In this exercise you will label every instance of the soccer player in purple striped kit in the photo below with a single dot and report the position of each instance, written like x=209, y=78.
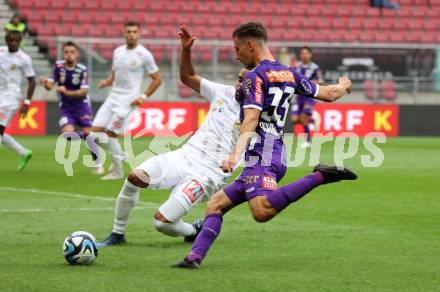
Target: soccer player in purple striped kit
x=303, y=107
x=264, y=98
x=75, y=108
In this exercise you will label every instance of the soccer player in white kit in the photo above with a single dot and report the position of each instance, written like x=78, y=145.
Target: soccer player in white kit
x=15, y=65
x=193, y=171
x=130, y=62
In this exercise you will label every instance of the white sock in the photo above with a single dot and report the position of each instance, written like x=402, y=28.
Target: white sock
x=127, y=199
x=10, y=142
x=173, y=211
x=178, y=228
x=116, y=152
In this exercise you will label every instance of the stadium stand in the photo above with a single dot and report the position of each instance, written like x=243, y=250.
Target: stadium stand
x=417, y=21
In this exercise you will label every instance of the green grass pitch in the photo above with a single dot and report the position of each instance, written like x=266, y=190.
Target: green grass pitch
x=380, y=233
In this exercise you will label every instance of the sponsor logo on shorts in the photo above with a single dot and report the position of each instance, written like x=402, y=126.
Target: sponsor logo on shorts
x=193, y=190
x=269, y=183
x=250, y=179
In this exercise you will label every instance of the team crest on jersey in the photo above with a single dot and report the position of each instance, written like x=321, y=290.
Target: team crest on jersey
x=269, y=183
x=193, y=190
x=218, y=105
x=75, y=79
x=13, y=67
x=133, y=63
x=280, y=76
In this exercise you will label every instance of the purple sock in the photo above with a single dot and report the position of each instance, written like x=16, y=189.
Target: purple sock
x=290, y=193
x=210, y=231
x=307, y=132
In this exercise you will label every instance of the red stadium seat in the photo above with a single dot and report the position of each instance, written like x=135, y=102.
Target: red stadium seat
x=370, y=91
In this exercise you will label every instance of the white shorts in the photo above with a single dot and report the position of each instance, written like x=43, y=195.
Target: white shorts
x=7, y=112
x=112, y=117
x=167, y=171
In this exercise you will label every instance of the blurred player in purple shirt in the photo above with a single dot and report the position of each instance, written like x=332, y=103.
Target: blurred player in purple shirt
x=303, y=106
x=264, y=99
x=75, y=108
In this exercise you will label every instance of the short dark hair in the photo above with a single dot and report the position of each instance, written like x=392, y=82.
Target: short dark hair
x=70, y=44
x=250, y=30
x=131, y=23
x=13, y=34
x=309, y=49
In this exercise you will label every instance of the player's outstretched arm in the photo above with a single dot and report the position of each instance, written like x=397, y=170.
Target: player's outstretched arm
x=82, y=92
x=188, y=75
x=331, y=93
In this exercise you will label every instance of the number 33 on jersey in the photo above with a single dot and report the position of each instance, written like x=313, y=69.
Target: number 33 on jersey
x=269, y=87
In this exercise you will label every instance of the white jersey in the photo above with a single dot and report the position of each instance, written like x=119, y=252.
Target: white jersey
x=216, y=138
x=14, y=67
x=130, y=66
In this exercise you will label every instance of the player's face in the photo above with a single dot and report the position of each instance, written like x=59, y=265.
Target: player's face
x=70, y=54
x=244, y=52
x=305, y=56
x=131, y=35
x=13, y=43
x=241, y=75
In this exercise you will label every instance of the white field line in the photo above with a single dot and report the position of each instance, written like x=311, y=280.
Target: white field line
x=38, y=210
x=142, y=205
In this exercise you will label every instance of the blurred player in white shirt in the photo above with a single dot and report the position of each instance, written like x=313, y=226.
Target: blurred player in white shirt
x=15, y=66
x=193, y=171
x=130, y=62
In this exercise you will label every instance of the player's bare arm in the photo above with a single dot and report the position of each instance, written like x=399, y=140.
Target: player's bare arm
x=156, y=81
x=73, y=93
x=331, y=93
x=108, y=81
x=47, y=83
x=30, y=92
x=188, y=75
x=247, y=131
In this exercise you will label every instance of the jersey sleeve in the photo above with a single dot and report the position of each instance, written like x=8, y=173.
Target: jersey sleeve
x=211, y=90
x=304, y=86
x=84, y=79
x=253, y=88
x=54, y=74
x=150, y=64
x=28, y=70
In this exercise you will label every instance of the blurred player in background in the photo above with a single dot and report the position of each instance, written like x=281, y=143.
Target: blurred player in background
x=264, y=98
x=303, y=106
x=130, y=62
x=75, y=108
x=15, y=65
x=192, y=171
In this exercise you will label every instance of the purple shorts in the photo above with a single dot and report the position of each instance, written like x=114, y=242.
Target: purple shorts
x=255, y=181
x=303, y=105
x=80, y=115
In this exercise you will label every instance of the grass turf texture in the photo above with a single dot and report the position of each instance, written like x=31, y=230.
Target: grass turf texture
x=380, y=233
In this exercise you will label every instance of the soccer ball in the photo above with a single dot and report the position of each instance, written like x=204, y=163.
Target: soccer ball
x=80, y=248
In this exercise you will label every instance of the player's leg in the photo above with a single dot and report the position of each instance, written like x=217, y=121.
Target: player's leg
x=156, y=172
x=127, y=199
x=6, y=115
x=114, y=129
x=99, y=124
x=305, y=117
x=185, y=196
x=222, y=201
x=265, y=207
